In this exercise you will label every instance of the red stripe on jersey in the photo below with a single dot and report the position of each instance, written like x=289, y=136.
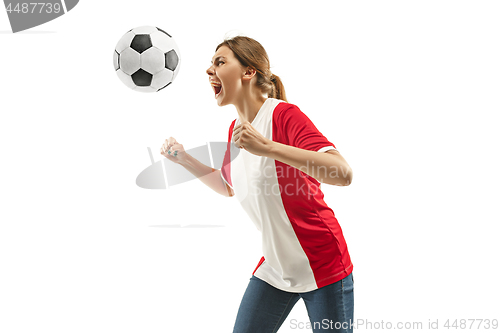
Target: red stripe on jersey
x=258, y=265
x=226, y=164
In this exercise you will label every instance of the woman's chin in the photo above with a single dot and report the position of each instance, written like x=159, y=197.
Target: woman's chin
x=220, y=100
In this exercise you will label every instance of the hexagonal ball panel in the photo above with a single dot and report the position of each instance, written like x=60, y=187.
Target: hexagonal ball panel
x=124, y=42
x=142, y=78
x=152, y=60
x=141, y=43
x=161, y=79
x=171, y=60
x=130, y=61
x=162, y=41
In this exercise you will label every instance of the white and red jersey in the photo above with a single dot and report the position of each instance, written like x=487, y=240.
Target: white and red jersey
x=302, y=242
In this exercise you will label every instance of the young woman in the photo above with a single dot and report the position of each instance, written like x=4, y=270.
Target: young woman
x=281, y=161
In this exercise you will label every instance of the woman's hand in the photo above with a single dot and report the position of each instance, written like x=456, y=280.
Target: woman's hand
x=247, y=137
x=173, y=151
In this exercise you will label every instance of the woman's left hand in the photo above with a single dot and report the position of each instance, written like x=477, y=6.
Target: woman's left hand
x=246, y=136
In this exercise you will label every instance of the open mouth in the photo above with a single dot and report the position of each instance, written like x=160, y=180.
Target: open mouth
x=217, y=88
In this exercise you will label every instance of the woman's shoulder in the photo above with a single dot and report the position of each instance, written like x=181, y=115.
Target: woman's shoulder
x=286, y=110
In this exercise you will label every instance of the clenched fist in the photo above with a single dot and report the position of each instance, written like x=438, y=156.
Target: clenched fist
x=247, y=137
x=173, y=150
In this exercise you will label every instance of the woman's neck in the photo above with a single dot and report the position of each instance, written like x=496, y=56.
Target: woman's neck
x=248, y=108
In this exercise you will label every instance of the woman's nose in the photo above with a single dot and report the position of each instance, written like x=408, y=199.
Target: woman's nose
x=210, y=70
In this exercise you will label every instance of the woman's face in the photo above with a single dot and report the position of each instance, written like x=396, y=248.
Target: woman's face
x=225, y=75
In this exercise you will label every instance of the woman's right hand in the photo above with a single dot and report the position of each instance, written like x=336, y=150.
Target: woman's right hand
x=173, y=151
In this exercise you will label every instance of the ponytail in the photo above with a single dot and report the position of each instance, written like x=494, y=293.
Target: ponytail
x=278, y=90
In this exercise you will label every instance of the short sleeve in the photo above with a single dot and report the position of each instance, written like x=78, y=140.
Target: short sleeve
x=294, y=128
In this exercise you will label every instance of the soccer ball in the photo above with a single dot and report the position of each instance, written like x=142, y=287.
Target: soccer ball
x=147, y=59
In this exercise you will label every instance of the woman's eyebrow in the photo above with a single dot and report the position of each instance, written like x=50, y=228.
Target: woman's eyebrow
x=217, y=59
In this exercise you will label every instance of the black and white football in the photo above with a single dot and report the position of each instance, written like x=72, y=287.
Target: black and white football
x=147, y=59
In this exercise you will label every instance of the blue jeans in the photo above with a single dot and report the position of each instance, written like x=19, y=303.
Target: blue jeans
x=264, y=308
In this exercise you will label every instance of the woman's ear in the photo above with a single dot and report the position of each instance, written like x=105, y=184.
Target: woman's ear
x=249, y=73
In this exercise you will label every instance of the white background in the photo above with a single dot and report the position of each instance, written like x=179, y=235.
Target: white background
x=408, y=91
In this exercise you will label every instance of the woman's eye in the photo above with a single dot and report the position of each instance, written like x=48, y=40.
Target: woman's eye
x=220, y=63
